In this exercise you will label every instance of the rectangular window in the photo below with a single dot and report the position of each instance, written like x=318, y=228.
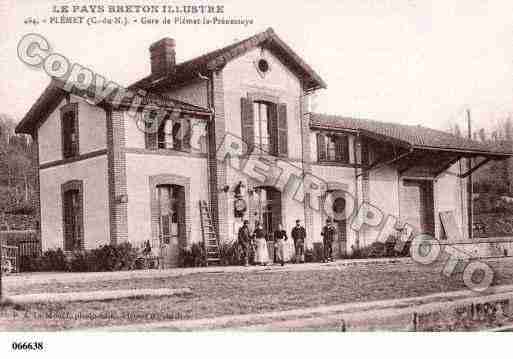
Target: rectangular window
x=69, y=125
x=333, y=148
x=175, y=134
x=261, y=126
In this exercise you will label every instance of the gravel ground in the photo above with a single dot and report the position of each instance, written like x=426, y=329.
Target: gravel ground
x=216, y=294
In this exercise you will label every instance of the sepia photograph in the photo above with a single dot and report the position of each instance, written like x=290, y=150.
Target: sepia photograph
x=254, y=168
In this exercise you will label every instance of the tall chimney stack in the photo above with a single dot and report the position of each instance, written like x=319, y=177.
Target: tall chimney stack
x=162, y=56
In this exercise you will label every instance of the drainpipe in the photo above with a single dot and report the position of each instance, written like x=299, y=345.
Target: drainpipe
x=356, y=175
x=211, y=150
x=303, y=113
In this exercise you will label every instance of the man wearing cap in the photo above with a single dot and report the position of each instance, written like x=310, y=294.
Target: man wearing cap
x=298, y=234
x=328, y=237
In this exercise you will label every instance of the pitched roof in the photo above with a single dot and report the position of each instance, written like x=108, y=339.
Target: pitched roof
x=55, y=92
x=213, y=60
x=414, y=136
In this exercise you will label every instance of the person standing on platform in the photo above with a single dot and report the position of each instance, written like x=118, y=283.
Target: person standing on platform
x=280, y=242
x=298, y=234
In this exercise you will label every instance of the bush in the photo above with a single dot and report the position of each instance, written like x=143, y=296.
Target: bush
x=230, y=253
x=113, y=257
x=79, y=262
x=382, y=250
x=193, y=256
x=103, y=259
x=50, y=261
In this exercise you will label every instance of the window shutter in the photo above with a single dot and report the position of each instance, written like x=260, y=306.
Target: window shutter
x=248, y=131
x=342, y=149
x=273, y=128
x=69, y=130
x=151, y=125
x=321, y=147
x=282, y=130
x=66, y=133
x=186, y=134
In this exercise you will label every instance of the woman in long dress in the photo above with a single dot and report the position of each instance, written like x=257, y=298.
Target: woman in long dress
x=261, y=253
x=289, y=251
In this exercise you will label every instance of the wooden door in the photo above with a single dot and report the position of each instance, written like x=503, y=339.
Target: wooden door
x=340, y=244
x=72, y=220
x=171, y=222
x=417, y=205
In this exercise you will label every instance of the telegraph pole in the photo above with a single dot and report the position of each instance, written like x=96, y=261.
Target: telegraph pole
x=470, y=190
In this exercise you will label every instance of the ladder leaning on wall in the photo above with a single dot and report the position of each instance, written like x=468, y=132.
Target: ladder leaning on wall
x=210, y=240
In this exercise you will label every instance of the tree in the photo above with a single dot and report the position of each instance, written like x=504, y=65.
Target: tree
x=17, y=169
x=508, y=129
x=457, y=130
x=482, y=135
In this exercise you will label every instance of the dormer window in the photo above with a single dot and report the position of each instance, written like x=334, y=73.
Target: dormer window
x=69, y=129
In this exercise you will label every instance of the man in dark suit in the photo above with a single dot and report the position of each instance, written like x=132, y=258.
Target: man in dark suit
x=298, y=235
x=244, y=238
x=280, y=238
x=328, y=237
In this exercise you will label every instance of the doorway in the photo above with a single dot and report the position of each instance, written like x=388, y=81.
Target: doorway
x=171, y=221
x=417, y=205
x=72, y=219
x=269, y=209
x=73, y=215
x=336, y=206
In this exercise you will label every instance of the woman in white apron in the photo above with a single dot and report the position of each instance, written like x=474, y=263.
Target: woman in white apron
x=261, y=252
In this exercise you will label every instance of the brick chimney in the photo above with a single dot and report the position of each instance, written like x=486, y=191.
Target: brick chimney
x=162, y=56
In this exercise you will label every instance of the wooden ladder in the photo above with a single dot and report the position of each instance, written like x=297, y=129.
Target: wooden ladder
x=208, y=232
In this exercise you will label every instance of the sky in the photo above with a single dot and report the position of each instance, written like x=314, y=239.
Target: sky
x=413, y=62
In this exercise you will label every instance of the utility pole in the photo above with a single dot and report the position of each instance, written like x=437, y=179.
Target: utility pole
x=470, y=199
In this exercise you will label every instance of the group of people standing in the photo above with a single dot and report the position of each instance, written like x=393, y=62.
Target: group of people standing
x=285, y=250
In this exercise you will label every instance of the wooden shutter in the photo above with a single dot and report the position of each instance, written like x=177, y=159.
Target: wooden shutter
x=282, y=130
x=275, y=197
x=69, y=223
x=177, y=133
x=342, y=149
x=247, y=126
x=272, y=122
x=72, y=212
x=67, y=128
x=321, y=147
x=186, y=134
x=182, y=223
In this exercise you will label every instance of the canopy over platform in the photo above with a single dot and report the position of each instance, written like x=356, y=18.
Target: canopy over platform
x=417, y=151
